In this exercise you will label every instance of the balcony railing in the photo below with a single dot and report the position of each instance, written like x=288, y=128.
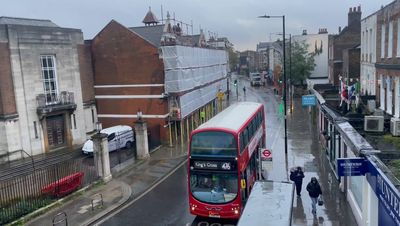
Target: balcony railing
x=47, y=103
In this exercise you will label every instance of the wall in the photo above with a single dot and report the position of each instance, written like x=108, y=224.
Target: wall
x=126, y=61
x=27, y=44
x=319, y=41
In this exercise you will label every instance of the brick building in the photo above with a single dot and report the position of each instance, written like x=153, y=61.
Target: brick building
x=348, y=38
x=159, y=71
x=387, y=58
x=43, y=104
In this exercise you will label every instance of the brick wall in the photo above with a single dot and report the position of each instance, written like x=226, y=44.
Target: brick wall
x=120, y=57
x=86, y=72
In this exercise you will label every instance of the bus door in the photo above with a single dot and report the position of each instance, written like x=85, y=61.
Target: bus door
x=243, y=187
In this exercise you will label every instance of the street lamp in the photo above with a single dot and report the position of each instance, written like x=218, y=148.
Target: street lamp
x=284, y=73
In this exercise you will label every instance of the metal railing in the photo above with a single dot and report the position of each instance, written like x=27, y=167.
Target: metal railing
x=23, y=194
x=65, y=97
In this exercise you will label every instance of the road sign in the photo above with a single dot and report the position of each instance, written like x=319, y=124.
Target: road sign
x=266, y=154
x=351, y=166
x=308, y=100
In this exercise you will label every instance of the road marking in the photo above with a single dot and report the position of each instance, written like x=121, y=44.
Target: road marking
x=84, y=209
x=141, y=195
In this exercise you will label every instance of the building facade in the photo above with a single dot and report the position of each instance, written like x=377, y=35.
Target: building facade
x=388, y=58
x=46, y=90
x=368, y=55
x=318, y=47
x=158, y=72
x=347, y=38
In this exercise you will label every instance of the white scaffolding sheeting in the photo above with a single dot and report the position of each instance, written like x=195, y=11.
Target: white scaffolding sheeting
x=188, y=67
x=200, y=97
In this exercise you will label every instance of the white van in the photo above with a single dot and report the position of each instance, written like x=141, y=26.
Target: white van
x=118, y=137
x=256, y=79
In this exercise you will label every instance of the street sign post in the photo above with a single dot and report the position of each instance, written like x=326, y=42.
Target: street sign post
x=266, y=155
x=351, y=167
x=308, y=100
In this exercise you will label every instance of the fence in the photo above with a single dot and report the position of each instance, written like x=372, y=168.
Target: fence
x=25, y=193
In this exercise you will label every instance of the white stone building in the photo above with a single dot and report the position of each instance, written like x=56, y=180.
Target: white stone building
x=318, y=46
x=368, y=55
x=46, y=90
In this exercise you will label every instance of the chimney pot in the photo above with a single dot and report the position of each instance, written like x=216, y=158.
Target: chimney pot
x=340, y=29
x=359, y=8
x=354, y=9
x=350, y=10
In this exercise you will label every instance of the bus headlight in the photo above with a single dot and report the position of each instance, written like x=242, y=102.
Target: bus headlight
x=193, y=207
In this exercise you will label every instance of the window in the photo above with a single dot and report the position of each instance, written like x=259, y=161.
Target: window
x=398, y=38
x=213, y=143
x=390, y=40
x=49, y=78
x=371, y=46
x=111, y=137
x=35, y=128
x=214, y=187
x=73, y=116
x=383, y=41
x=366, y=47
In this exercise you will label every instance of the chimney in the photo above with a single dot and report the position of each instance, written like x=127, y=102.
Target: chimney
x=323, y=31
x=340, y=29
x=354, y=15
x=304, y=32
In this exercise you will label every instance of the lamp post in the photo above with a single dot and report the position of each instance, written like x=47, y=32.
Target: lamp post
x=284, y=73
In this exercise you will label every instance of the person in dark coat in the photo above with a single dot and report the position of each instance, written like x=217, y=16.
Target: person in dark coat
x=297, y=177
x=314, y=190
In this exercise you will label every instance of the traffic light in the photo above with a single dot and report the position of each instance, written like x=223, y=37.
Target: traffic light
x=235, y=82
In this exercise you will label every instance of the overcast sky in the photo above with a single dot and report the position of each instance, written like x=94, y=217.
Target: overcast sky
x=235, y=19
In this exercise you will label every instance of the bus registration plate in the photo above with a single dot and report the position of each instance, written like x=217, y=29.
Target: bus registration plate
x=213, y=214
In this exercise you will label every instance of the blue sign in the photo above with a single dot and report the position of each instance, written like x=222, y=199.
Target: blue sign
x=351, y=166
x=308, y=100
x=388, y=196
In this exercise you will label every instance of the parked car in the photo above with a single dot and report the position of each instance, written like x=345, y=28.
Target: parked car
x=118, y=137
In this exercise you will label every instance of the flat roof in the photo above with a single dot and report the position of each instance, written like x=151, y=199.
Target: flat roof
x=233, y=117
x=270, y=203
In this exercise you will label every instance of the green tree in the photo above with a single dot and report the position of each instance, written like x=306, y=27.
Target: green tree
x=233, y=58
x=302, y=63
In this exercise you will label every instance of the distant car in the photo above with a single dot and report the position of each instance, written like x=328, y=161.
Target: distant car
x=118, y=137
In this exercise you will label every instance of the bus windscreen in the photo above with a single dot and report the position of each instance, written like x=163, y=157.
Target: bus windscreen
x=213, y=143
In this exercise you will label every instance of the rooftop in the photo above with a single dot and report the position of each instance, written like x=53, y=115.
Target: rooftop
x=27, y=22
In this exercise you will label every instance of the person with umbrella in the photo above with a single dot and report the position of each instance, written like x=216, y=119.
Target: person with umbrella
x=297, y=177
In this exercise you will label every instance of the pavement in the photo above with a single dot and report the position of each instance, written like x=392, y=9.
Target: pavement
x=126, y=185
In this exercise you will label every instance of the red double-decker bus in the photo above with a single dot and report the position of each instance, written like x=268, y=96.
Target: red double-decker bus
x=223, y=164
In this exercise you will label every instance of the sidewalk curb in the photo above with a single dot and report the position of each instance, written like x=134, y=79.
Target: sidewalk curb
x=126, y=191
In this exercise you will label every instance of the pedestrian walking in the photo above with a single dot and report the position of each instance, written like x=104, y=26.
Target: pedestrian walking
x=244, y=90
x=314, y=190
x=297, y=177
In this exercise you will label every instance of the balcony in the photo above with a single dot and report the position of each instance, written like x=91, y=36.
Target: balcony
x=50, y=104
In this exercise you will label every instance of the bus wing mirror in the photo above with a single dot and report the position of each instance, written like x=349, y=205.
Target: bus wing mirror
x=243, y=183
